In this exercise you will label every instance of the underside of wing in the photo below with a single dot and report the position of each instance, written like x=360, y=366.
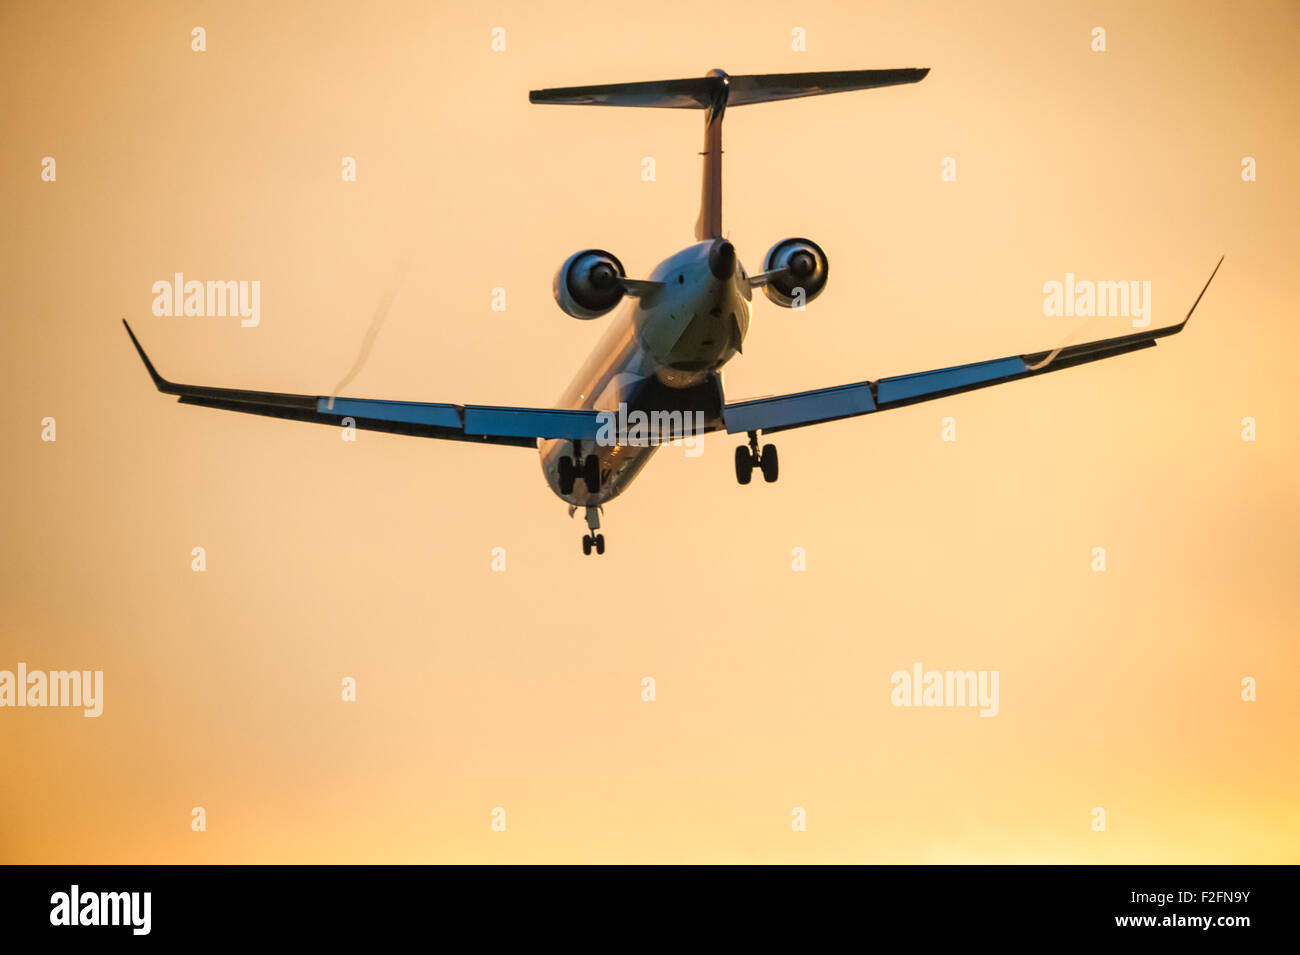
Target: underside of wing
x=781, y=412
x=484, y=424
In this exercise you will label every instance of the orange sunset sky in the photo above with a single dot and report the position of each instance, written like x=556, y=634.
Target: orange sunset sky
x=522, y=689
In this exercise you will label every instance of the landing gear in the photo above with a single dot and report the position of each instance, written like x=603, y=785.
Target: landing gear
x=569, y=473
x=748, y=458
x=591, y=473
x=593, y=540
x=744, y=464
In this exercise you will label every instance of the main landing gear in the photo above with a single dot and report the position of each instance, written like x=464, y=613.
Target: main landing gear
x=593, y=540
x=748, y=458
x=569, y=473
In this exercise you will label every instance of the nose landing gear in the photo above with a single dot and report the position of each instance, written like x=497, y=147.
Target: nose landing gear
x=593, y=540
x=748, y=458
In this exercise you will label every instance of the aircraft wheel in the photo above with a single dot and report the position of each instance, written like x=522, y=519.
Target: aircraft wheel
x=744, y=465
x=769, y=462
x=600, y=543
x=586, y=545
x=591, y=473
x=567, y=475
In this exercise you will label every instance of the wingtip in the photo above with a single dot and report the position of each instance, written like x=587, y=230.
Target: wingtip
x=1204, y=288
x=161, y=383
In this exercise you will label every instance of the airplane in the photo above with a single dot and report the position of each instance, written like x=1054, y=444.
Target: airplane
x=663, y=353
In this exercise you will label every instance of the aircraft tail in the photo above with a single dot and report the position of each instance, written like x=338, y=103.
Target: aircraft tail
x=715, y=92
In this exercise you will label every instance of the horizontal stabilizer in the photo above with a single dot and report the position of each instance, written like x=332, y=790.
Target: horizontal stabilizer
x=767, y=87
x=702, y=92
x=695, y=93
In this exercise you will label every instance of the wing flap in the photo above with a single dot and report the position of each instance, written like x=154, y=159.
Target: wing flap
x=414, y=412
x=904, y=387
x=531, y=422
x=793, y=411
x=362, y=423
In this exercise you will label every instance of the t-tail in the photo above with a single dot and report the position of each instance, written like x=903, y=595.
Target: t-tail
x=714, y=92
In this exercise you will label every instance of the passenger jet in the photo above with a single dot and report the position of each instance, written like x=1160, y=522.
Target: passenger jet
x=663, y=353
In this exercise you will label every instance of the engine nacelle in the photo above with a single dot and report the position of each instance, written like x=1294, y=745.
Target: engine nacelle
x=589, y=283
x=806, y=268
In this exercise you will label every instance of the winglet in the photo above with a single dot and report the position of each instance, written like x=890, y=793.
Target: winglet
x=1199, y=297
x=1136, y=340
x=161, y=383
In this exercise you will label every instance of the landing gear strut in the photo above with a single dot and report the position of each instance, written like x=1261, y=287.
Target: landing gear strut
x=748, y=458
x=569, y=472
x=593, y=540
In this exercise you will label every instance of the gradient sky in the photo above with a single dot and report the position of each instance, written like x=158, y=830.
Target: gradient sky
x=522, y=689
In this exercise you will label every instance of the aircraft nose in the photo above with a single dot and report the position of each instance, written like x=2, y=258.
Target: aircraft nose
x=722, y=259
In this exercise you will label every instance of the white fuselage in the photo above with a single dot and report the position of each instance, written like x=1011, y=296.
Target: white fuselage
x=661, y=353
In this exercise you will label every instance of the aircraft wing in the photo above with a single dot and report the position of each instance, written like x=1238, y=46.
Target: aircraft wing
x=781, y=412
x=485, y=424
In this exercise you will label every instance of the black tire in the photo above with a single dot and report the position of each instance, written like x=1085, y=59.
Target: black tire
x=591, y=473
x=600, y=543
x=770, y=464
x=566, y=475
x=586, y=545
x=744, y=465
